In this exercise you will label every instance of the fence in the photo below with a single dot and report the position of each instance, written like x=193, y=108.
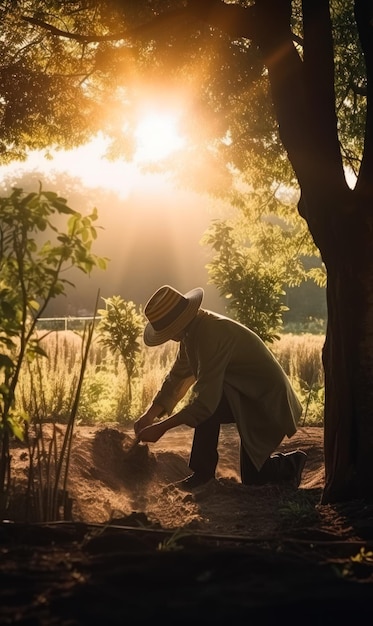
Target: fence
x=64, y=323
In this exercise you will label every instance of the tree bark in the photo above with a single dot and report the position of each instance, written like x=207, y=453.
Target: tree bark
x=348, y=363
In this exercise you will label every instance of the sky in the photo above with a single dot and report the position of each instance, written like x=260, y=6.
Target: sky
x=151, y=229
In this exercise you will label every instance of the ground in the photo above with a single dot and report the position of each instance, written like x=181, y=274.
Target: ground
x=137, y=548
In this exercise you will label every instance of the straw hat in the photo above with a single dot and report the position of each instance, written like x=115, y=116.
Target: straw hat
x=169, y=312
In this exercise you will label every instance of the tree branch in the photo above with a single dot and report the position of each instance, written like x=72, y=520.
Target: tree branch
x=75, y=36
x=154, y=26
x=232, y=19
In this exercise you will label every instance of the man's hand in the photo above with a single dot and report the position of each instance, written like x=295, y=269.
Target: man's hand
x=151, y=434
x=147, y=418
x=143, y=421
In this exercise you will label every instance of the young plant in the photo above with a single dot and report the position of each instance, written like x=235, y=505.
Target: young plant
x=34, y=250
x=119, y=329
x=299, y=509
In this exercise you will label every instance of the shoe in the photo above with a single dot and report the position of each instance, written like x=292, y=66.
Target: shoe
x=192, y=482
x=298, y=460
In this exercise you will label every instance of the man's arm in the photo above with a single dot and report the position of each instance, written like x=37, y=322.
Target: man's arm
x=151, y=433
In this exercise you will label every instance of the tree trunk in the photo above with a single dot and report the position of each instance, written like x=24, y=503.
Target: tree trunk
x=342, y=228
x=348, y=362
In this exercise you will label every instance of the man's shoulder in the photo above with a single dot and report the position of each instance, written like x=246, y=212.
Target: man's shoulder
x=210, y=323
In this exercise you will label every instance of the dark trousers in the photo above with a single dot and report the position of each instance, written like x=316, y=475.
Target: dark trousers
x=204, y=454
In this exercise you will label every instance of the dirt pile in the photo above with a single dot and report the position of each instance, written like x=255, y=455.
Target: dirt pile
x=110, y=479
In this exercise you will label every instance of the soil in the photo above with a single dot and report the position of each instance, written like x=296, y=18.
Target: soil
x=132, y=547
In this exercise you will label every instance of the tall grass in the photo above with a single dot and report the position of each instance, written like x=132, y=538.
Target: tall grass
x=300, y=357
x=46, y=384
x=46, y=496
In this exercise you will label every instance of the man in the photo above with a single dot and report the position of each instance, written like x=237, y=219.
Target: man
x=236, y=378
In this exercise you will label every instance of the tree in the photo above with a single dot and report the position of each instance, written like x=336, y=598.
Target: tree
x=316, y=58
x=120, y=328
x=31, y=275
x=260, y=253
x=252, y=286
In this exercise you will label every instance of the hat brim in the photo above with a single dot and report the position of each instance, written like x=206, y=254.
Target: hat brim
x=156, y=338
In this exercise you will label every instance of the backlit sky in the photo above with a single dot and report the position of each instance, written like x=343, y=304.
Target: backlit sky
x=152, y=231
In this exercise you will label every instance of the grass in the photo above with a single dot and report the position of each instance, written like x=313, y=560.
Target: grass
x=299, y=509
x=46, y=385
x=300, y=357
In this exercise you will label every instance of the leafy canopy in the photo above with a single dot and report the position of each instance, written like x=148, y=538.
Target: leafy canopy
x=71, y=69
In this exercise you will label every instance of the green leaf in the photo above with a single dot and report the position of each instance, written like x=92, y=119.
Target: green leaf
x=33, y=304
x=16, y=424
x=6, y=362
x=35, y=348
x=102, y=262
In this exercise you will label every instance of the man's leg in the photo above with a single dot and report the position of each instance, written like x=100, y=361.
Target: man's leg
x=204, y=453
x=278, y=468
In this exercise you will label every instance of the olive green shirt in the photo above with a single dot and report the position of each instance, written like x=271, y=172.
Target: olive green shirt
x=218, y=355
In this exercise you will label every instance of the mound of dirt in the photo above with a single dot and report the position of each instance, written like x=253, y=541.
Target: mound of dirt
x=110, y=478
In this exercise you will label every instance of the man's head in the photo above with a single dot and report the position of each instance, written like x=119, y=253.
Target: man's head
x=169, y=313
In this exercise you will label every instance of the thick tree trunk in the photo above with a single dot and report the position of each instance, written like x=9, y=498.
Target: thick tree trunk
x=348, y=362
x=342, y=228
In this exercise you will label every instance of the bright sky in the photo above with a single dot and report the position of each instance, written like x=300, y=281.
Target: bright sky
x=154, y=217
x=157, y=137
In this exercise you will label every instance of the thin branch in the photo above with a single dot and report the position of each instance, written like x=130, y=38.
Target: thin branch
x=162, y=20
x=233, y=19
x=74, y=36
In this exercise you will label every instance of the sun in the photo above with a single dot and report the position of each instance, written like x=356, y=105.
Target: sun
x=157, y=136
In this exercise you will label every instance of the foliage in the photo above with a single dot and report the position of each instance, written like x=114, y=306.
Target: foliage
x=120, y=328
x=45, y=98
x=231, y=133
x=96, y=78
x=313, y=325
x=47, y=496
x=253, y=286
x=300, y=357
x=261, y=253
x=96, y=61
x=301, y=507
x=171, y=543
x=30, y=268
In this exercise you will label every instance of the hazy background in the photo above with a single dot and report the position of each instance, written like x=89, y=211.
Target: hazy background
x=151, y=229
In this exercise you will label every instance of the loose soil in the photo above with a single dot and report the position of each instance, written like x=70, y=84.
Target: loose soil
x=136, y=548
